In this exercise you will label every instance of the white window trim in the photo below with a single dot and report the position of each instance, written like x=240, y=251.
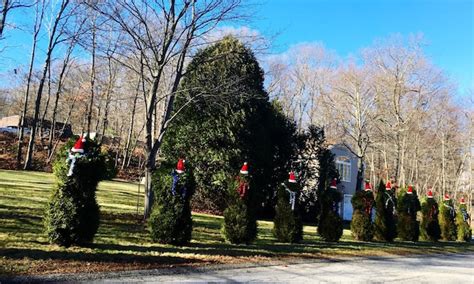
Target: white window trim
x=344, y=161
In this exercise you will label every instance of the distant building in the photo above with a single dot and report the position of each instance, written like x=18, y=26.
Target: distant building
x=346, y=164
x=14, y=121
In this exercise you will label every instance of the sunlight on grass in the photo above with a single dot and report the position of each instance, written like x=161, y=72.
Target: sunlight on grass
x=123, y=242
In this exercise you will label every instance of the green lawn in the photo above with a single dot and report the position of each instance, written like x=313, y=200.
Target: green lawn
x=122, y=241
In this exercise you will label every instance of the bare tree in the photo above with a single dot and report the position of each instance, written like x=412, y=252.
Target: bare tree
x=7, y=6
x=163, y=35
x=353, y=101
x=56, y=36
x=39, y=14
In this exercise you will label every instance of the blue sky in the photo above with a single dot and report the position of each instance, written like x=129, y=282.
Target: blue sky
x=346, y=26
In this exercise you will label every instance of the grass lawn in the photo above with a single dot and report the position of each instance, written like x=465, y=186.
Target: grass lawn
x=123, y=242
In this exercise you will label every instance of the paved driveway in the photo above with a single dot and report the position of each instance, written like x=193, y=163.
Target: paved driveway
x=453, y=268
x=420, y=269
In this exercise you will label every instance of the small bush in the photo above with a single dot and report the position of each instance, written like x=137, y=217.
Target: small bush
x=362, y=227
x=170, y=220
x=240, y=224
x=462, y=223
x=330, y=226
x=385, y=222
x=288, y=226
x=429, y=228
x=447, y=216
x=408, y=228
x=72, y=214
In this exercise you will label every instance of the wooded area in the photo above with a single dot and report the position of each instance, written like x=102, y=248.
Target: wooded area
x=115, y=68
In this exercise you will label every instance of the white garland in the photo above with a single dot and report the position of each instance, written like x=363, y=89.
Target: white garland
x=72, y=157
x=292, y=196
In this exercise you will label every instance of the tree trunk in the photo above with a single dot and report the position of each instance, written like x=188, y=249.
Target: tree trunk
x=46, y=105
x=3, y=18
x=29, y=154
x=91, y=101
x=51, y=45
x=22, y=120
x=130, y=130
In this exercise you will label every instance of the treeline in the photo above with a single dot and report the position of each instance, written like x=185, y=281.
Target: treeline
x=122, y=69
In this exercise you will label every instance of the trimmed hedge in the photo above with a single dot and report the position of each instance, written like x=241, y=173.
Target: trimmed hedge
x=170, y=221
x=240, y=223
x=385, y=222
x=429, y=228
x=362, y=227
x=408, y=228
x=447, y=216
x=72, y=214
x=462, y=223
x=288, y=226
x=330, y=226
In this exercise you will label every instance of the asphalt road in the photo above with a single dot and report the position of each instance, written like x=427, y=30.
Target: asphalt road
x=419, y=269
x=452, y=268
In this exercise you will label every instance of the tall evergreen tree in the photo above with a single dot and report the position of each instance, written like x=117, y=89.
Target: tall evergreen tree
x=429, y=228
x=408, y=228
x=288, y=226
x=447, y=219
x=225, y=114
x=72, y=213
x=463, y=222
x=315, y=162
x=240, y=223
x=385, y=203
x=170, y=220
x=362, y=227
x=330, y=226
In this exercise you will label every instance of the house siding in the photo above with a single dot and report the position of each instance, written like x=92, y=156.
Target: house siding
x=347, y=188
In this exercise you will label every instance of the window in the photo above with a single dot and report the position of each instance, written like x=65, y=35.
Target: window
x=343, y=166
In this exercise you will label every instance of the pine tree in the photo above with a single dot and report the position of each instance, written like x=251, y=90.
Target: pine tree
x=362, y=227
x=462, y=223
x=240, y=223
x=408, y=228
x=429, y=229
x=288, y=225
x=447, y=216
x=385, y=204
x=330, y=226
x=170, y=221
x=72, y=214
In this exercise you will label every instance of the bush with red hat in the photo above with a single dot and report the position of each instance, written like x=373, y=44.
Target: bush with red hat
x=447, y=219
x=429, y=227
x=288, y=226
x=330, y=225
x=408, y=205
x=170, y=221
x=385, y=220
x=362, y=227
x=72, y=214
x=240, y=222
x=463, y=222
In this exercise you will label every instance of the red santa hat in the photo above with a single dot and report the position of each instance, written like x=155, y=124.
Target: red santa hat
x=446, y=197
x=410, y=189
x=180, y=166
x=244, y=170
x=334, y=184
x=462, y=201
x=430, y=193
x=79, y=145
x=368, y=186
x=388, y=186
x=292, y=177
